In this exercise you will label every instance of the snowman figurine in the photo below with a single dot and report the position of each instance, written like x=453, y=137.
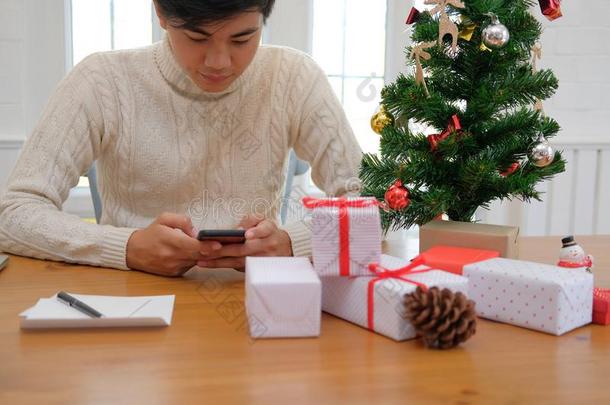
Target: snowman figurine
x=573, y=256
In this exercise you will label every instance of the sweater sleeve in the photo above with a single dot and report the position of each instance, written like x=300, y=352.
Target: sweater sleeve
x=63, y=146
x=324, y=138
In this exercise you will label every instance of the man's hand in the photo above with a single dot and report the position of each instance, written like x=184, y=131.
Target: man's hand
x=167, y=247
x=263, y=238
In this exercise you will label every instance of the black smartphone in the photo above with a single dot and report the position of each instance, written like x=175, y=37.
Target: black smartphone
x=224, y=236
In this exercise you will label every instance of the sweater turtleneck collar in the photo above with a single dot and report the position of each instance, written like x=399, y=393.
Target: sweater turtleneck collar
x=181, y=81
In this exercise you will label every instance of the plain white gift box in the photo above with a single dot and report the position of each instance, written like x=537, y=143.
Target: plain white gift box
x=283, y=297
x=532, y=295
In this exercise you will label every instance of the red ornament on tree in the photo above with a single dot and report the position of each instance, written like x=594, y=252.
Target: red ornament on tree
x=397, y=196
x=551, y=9
x=511, y=169
x=413, y=16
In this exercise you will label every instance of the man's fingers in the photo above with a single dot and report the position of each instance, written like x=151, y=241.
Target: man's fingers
x=261, y=231
x=180, y=272
x=185, y=243
x=249, y=248
x=176, y=221
x=191, y=247
x=207, y=248
x=223, y=263
x=250, y=220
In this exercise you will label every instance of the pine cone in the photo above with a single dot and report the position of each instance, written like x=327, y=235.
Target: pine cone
x=443, y=318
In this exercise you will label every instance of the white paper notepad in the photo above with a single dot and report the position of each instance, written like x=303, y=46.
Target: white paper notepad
x=117, y=311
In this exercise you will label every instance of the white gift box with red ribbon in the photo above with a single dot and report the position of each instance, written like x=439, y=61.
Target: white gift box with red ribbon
x=283, y=297
x=532, y=295
x=376, y=302
x=346, y=235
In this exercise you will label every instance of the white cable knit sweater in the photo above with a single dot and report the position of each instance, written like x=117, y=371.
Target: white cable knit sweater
x=162, y=144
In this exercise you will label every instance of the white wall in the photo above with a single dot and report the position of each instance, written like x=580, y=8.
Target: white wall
x=12, y=56
x=32, y=49
x=577, y=49
x=44, y=62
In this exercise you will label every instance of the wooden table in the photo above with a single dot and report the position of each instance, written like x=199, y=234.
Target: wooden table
x=207, y=356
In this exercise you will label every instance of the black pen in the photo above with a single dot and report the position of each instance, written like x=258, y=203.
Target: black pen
x=78, y=305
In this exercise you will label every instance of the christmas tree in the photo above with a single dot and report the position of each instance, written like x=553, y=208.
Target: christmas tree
x=476, y=88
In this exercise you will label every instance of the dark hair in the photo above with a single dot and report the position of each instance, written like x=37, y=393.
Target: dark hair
x=191, y=14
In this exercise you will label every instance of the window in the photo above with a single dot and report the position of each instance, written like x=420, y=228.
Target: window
x=354, y=59
x=104, y=25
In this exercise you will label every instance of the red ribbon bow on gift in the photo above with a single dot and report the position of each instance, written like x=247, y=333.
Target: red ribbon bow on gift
x=453, y=126
x=343, y=204
x=382, y=273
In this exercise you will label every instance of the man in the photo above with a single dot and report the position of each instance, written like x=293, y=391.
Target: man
x=199, y=123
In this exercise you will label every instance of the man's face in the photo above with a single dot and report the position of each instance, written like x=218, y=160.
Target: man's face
x=215, y=55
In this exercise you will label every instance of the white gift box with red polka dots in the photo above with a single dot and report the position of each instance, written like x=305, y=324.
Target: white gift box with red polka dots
x=532, y=295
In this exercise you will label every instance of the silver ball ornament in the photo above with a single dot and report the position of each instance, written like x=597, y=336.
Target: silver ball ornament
x=542, y=154
x=495, y=35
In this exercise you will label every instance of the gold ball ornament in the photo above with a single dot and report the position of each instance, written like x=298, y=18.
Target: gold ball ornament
x=381, y=119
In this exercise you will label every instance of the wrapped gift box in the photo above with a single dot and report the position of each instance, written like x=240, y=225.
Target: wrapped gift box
x=453, y=259
x=377, y=303
x=283, y=297
x=503, y=239
x=601, y=306
x=532, y=295
x=346, y=235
